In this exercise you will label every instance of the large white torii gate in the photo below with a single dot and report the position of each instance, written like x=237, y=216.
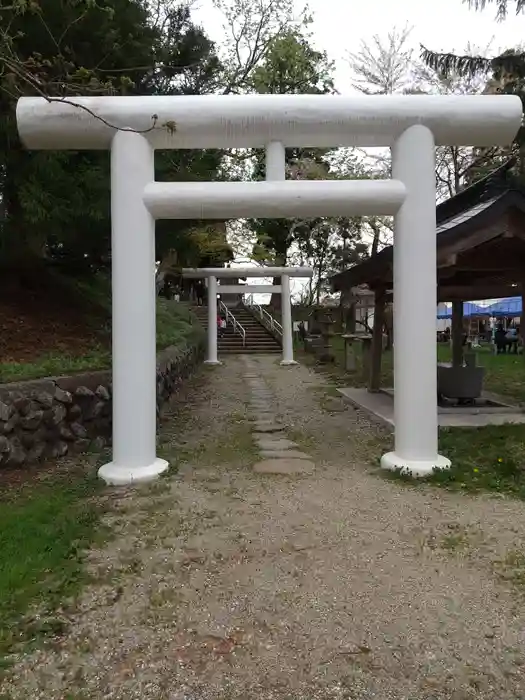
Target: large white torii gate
x=211, y=274
x=133, y=127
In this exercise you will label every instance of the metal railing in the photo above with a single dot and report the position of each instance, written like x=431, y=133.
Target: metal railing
x=266, y=318
x=237, y=328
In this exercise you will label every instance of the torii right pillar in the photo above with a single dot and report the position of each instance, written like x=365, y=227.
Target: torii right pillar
x=415, y=301
x=276, y=170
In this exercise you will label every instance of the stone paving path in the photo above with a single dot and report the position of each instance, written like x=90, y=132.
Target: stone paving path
x=221, y=583
x=281, y=456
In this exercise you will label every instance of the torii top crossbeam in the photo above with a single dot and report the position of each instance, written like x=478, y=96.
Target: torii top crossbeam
x=248, y=121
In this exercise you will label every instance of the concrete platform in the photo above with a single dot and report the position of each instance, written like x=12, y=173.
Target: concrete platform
x=381, y=406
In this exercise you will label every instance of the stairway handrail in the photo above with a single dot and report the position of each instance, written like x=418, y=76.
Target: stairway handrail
x=266, y=318
x=237, y=328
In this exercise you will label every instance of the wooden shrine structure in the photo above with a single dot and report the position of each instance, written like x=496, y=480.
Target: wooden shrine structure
x=480, y=255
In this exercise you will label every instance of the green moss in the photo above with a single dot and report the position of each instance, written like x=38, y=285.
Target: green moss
x=46, y=525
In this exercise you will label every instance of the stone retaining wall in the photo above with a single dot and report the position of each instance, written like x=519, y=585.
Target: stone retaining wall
x=49, y=418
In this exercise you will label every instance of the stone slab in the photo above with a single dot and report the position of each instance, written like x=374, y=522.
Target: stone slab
x=267, y=427
x=284, y=466
x=284, y=454
x=265, y=442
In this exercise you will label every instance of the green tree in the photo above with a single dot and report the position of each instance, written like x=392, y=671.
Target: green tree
x=383, y=66
x=56, y=204
x=250, y=28
x=504, y=74
x=45, y=49
x=291, y=66
x=508, y=68
x=329, y=245
x=388, y=65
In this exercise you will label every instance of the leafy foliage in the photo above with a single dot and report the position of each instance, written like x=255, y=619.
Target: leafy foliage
x=508, y=64
x=251, y=27
x=507, y=69
x=329, y=245
x=291, y=65
x=502, y=6
x=382, y=66
x=390, y=66
x=56, y=205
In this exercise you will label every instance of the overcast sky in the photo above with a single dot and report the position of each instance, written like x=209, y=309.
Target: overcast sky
x=441, y=25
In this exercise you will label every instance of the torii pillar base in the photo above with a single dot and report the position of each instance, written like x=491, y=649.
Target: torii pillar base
x=117, y=475
x=413, y=467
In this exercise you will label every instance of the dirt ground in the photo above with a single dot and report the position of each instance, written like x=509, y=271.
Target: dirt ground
x=36, y=321
x=223, y=584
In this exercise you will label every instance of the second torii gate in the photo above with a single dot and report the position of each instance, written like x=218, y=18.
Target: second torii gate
x=212, y=273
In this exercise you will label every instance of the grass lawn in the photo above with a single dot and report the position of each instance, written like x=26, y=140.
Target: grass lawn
x=175, y=326
x=490, y=458
x=55, y=364
x=504, y=374
x=47, y=521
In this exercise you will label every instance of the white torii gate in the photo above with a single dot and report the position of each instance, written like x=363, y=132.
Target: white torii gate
x=133, y=127
x=211, y=274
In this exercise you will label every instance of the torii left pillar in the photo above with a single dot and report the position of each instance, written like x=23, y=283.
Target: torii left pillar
x=134, y=304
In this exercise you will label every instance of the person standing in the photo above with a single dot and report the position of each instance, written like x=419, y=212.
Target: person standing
x=199, y=292
x=500, y=339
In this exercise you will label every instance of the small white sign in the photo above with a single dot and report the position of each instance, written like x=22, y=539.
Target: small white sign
x=296, y=325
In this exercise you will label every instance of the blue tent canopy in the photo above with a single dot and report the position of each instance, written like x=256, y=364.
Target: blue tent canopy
x=469, y=309
x=506, y=307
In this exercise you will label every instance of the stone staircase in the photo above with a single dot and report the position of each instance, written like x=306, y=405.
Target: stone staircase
x=258, y=339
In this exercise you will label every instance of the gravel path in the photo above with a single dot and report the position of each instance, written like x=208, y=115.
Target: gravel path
x=223, y=584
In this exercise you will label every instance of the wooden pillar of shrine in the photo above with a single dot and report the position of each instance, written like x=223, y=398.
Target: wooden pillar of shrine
x=374, y=383
x=457, y=333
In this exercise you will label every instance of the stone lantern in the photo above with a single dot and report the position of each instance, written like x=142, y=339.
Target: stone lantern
x=326, y=323
x=315, y=316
